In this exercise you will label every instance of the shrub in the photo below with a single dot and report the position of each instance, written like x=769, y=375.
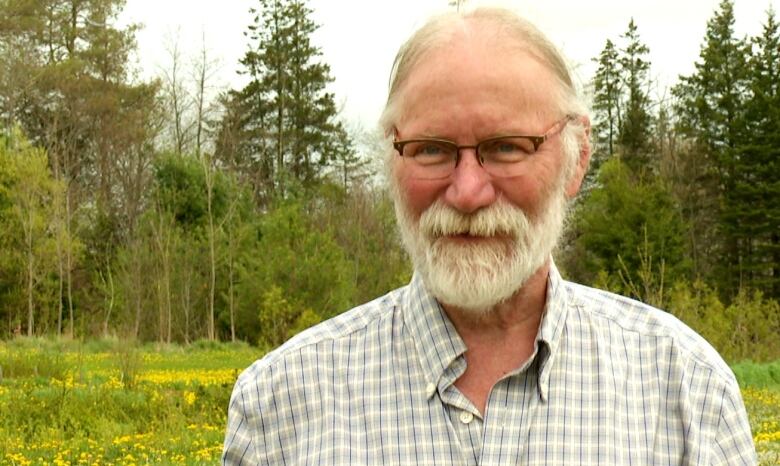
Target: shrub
x=746, y=329
x=34, y=363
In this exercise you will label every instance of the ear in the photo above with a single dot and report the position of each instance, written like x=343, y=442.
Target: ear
x=578, y=174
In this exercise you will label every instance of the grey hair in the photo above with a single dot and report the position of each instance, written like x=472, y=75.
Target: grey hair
x=504, y=23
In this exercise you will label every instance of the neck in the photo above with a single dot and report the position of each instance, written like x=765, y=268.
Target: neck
x=520, y=313
x=501, y=340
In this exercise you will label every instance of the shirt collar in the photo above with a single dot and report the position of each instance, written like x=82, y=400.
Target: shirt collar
x=553, y=321
x=435, y=338
x=439, y=345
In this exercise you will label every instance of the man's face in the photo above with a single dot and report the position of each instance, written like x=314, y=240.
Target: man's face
x=477, y=238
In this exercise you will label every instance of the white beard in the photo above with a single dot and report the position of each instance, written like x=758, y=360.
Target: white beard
x=476, y=277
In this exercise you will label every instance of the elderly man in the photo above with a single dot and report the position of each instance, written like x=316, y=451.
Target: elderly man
x=488, y=356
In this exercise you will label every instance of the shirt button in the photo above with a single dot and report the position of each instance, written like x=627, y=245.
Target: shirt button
x=466, y=417
x=430, y=389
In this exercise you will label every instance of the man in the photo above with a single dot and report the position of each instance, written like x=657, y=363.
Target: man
x=488, y=356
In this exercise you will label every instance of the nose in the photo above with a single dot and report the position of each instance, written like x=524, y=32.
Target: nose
x=471, y=188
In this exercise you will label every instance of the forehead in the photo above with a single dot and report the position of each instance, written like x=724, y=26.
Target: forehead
x=478, y=81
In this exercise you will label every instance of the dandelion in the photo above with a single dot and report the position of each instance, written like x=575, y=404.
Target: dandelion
x=189, y=398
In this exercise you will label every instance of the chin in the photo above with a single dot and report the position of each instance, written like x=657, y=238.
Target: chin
x=478, y=276
x=475, y=262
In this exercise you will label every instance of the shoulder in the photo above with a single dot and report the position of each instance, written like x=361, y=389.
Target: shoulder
x=658, y=330
x=336, y=334
x=684, y=381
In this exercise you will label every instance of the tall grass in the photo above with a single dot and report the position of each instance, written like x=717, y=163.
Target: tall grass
x=758, y=375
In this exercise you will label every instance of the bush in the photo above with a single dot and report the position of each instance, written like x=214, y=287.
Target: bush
x=34, y=363
x=130, y=363
x=747, y=329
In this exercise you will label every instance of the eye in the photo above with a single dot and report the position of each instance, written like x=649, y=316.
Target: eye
x=506, y=146
x=506, y=150
x=430, y=149
x=431, y=152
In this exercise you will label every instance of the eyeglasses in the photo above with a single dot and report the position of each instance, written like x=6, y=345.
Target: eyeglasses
x=434, y=158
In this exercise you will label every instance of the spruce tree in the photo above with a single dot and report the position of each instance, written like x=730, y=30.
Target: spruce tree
x=606, y=100
x=621, y=102
x=711, y=108
x=758, y=187
x=636, y=122
x=292, y=125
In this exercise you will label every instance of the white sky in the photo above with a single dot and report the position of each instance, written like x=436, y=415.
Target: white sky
x=359, y=38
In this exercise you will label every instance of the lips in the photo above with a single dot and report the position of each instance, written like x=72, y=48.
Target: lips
x=467, y=237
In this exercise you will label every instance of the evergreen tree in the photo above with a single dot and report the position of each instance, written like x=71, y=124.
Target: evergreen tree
x=621, y=103
x=629, y=231
x=711, y=108
x=292, y=131
x=754, y=200
x=606, y=101
x=636, y=122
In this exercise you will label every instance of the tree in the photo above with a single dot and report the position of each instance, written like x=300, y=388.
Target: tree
x=606, y=100
x=711, y=107
x=630, y=231
x=28, y=197
x=636, y=122
x=291, y=254
x=621, y=102
x=66, y=81
x=178, y=101
x=292, y=128
x=755, y=209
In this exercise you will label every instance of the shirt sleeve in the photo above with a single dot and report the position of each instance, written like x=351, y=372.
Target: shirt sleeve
x=239, y=448
x=733, y=438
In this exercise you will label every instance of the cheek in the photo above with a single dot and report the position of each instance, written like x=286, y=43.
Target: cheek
x=525, y=191
x=417, y=194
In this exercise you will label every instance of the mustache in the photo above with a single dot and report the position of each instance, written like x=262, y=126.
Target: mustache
x=499, y=219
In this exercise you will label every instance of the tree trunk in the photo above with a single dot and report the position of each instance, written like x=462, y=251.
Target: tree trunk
x=30, y=277
x=68, y=250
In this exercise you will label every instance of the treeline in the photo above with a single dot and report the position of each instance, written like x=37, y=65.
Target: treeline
x=681, y=206
x=151, y=210
x=164, y=211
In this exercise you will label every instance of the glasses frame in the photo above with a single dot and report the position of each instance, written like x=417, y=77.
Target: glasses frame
x=537, y=141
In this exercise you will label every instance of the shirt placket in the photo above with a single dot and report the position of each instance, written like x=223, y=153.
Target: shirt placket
x=463, y=417
x=510, y=410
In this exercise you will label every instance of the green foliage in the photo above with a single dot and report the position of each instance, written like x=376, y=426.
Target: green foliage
x=299, y=266
x=280, y=320
x=745, y=329
x=621, y=102
x=628, y=228
x=306, y=319
x=712, y=108
x=31, y=363
x=753, y=374
x=290, y=131
x=180, y=188
x=606, y=102
x=756, y=216
x=636, y=122
x=130, y=365
x=30, y=235
x=362, y=222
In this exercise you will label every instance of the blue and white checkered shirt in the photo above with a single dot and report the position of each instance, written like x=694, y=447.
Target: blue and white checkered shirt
x=611, y=382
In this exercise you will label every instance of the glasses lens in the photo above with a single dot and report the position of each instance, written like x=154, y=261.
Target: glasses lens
x=430, y=159
x=504, y=156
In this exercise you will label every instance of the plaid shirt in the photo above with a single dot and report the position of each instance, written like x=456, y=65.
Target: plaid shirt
x=611, y=382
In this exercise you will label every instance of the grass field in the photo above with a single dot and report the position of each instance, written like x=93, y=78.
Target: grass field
x=105, y=402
